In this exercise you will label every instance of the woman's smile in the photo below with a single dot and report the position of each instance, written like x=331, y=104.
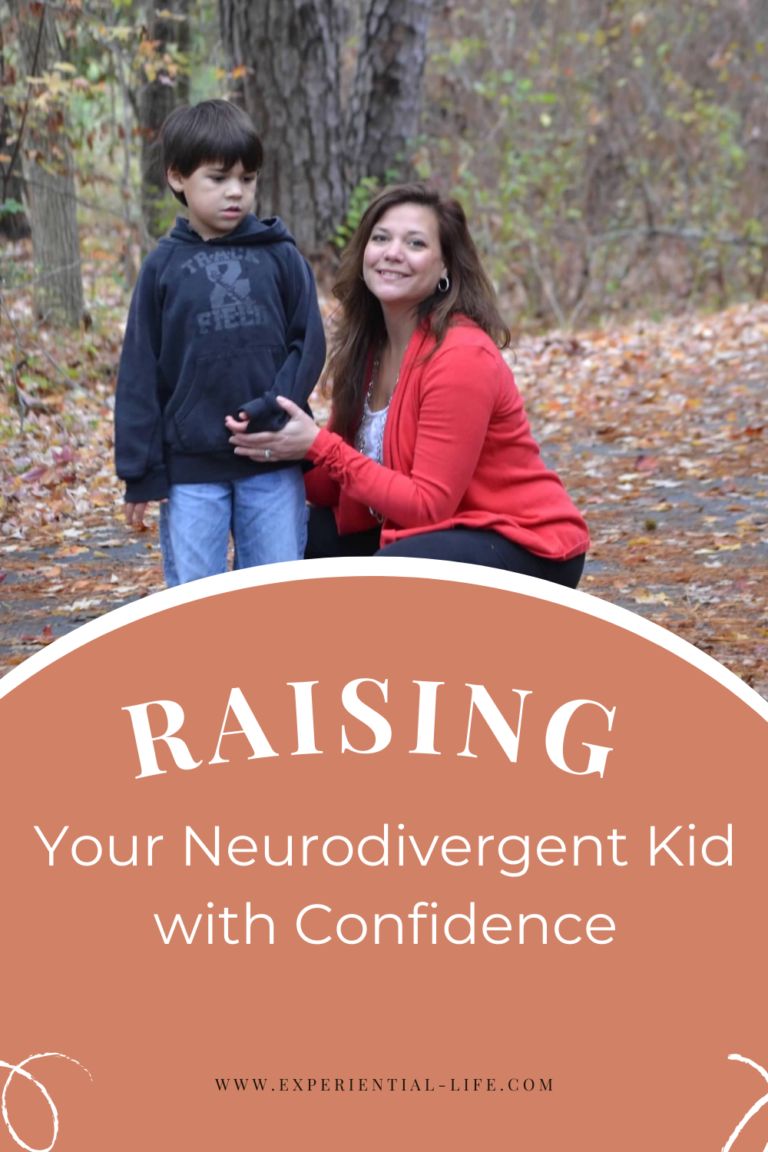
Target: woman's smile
x=403, y=260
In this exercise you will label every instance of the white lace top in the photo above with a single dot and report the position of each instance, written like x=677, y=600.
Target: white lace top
x=370, y=434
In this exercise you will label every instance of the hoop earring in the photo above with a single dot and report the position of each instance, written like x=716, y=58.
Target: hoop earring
x=443, y=284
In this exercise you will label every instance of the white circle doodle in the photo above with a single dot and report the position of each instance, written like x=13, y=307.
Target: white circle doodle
x=20, y=1068
x=755, y=1107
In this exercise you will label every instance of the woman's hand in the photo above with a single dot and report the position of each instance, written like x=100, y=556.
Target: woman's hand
x=291, y=443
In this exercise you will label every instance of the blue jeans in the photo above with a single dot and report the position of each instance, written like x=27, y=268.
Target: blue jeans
x=266, y=514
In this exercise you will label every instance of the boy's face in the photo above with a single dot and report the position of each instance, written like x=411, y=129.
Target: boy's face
x=218, y=198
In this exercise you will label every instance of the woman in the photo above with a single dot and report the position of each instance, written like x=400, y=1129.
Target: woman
x=430, y=452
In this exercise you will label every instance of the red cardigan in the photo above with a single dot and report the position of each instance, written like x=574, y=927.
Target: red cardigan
x=458, y=451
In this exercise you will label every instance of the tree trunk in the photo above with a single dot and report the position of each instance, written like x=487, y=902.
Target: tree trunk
x=158, y=98
x=290, y=49
x=49, y=178
x=385, y=101
x=291, y=87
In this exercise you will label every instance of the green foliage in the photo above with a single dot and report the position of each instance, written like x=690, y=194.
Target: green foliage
x=607, y=156
x=10, y=207
x=91, y=99
x=358, y=202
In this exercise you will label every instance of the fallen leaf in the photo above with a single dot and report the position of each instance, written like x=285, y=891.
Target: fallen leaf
x=45, y=637
x=72, y=550
x=646, y=463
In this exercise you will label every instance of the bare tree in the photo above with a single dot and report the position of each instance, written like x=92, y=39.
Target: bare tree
x=49, y=176
x=290, y=51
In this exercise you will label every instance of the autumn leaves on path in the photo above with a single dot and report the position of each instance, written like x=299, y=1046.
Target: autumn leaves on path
x=658, y=430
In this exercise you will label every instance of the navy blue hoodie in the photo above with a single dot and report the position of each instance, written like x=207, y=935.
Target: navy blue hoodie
x=215, y=327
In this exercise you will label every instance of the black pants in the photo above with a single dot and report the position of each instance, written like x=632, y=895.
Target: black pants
x=465, y=545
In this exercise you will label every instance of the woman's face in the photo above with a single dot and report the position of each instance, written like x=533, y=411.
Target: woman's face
x=403, y=262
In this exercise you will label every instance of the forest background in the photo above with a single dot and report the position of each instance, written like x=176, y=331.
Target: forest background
x=612, y=157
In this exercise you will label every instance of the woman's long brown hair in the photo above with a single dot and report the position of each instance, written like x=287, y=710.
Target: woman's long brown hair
x=361, y=325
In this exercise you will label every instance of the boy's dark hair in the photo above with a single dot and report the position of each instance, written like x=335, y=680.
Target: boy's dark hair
x=211, y=132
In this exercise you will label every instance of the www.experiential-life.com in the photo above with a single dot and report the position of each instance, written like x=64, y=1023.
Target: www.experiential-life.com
x=384, y=1084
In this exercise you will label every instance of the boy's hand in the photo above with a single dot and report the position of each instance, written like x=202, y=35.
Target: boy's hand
x=291, y=443
x=134, y=514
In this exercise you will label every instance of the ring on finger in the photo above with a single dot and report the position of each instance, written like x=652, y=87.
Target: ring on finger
x=267, y=453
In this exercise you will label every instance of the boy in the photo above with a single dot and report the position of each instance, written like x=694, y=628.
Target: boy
x=224, y=319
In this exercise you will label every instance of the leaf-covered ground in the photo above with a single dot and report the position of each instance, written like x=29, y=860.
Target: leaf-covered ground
x=658, y=430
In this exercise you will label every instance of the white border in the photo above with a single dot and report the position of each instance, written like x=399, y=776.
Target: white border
x=385, y=567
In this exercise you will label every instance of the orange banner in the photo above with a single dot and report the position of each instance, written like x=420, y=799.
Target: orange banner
x=369, y=854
